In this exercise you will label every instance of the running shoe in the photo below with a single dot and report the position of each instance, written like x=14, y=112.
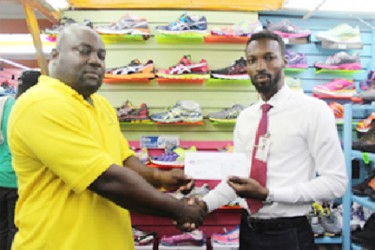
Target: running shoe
x=194, y=238
x=246, y=28
x=294, y=84
x=336, y=88
x=134, y=70
x=369, y=83
x=142, y=238
x=337, y=109
x=286, y=29
x=296, y=60
x=331, y=222
x=342, y=33
x=65, y=21
x=183, y=111
x=185, y=24
x=340, y=61
x=129, y=113
x=226, y=115
x=230, y=237
x=186, y=69
x=172, y=157
x=126, y=25
x=236, y=71
x=316, y=226
x=365, y=124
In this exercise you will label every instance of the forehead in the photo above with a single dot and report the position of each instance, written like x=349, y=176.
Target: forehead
x=263, y=46
x=87, y=37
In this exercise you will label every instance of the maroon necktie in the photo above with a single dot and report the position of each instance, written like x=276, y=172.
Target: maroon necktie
x=259, y=168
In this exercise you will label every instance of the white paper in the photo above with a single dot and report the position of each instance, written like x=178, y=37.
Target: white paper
x=216, y=165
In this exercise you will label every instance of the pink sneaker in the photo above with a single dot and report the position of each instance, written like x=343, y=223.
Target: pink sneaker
x=340, y=61
x=186, y=69
x=336, y=88
x=228, y=238
x=194, y=238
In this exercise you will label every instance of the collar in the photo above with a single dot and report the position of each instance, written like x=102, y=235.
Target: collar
x=60, y=86
x=277, y=99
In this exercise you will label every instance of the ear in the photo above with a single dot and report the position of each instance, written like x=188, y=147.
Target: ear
x=54, y=54
x=285, y=60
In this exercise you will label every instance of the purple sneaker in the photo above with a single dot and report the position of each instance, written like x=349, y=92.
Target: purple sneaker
x=194, y=238
x=369, y=83
x=296, y=60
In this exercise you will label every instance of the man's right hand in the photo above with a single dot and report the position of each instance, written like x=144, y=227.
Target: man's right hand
x=192, y=216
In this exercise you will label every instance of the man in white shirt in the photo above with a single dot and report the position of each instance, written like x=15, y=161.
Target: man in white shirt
x=304, y=159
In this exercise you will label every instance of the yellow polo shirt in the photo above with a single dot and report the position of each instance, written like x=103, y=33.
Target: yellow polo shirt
x=60, y=144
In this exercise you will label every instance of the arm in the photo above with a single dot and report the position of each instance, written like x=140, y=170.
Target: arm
x=170, y=180
x=324, y=146
x=127, y=189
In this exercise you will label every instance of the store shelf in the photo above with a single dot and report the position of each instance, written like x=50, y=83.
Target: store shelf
x=329, y=240
x=337, y=72
x=356, y=247
x=178, y=39
x=365, y=156
x=364, y=201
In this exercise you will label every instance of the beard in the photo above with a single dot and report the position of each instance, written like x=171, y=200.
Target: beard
x=267, y=86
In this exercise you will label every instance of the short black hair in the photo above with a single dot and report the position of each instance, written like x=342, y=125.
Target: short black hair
x=27, y=79
x=266, y=34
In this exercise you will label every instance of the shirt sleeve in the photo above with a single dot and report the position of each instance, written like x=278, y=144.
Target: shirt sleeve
x=324, y=145
x=58, y=137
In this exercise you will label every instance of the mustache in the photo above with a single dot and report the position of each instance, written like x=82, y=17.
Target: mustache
x=262, y=75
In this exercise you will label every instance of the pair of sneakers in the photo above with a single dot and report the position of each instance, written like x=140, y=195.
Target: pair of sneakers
x=184, y=111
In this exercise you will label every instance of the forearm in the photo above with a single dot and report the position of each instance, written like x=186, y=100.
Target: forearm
x=221, y=195
x=151, y=175
x=129, y=190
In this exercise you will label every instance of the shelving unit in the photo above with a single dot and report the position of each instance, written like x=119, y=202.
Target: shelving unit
x=349, y=154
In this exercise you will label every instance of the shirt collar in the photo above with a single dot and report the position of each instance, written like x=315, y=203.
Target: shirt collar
x=55, y=83
x=278, y=98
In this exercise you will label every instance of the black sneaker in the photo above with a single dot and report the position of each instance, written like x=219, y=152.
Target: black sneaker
x=361, y=188
x=236, y=71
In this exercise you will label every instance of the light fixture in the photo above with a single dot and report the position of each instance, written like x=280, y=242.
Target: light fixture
x=58, y=4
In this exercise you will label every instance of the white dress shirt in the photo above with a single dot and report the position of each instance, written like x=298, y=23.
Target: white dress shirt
x=305, y=162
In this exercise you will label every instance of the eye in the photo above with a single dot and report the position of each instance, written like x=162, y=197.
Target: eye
x=269, y=58
x=85, y=51
x=102, y=54
x=250, y=61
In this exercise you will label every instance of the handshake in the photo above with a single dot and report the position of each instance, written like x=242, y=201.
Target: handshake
x=191, y=215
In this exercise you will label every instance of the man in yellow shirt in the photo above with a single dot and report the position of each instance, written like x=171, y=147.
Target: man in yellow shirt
x=77, y=176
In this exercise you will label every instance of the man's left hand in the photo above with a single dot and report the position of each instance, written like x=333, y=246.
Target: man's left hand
x=175, y=179
x=247, y=188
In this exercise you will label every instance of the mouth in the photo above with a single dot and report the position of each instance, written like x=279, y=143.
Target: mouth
x=262, y=78
x=92, y=75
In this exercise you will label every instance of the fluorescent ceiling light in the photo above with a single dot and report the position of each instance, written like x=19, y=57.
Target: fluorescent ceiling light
x=349, y=6
x=58, y=4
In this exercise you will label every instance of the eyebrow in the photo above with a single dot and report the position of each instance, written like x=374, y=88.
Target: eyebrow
x=88, y=45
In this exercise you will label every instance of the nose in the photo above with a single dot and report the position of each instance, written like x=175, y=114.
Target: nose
x=260, y=65
x=94, y=59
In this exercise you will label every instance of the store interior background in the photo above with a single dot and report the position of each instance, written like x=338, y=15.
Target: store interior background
x=317, y=15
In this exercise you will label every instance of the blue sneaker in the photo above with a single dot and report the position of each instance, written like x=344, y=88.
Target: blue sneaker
x=183, y=111
x=185, y=24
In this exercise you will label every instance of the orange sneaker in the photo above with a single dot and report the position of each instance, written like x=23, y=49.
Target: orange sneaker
x=365, y=124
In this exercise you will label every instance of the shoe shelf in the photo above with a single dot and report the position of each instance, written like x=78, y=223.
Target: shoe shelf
x=295, y=70
x=328, y=240
x=301, y=40
x=356, y=247
x=364, y=201
x=337, y=72
x=335, y=45
x=180, y=38
x=215, y=81
x=226, y=39
x=169, y=81
x=127, y=81
x=364, y=156
x=118, y=39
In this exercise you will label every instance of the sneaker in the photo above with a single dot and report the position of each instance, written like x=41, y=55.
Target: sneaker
x=142, y=238
x=365, y=237
x=342, y=33
x=296, y=60
x=183, y=111
x=125, y=109
x=246, y=29
x=340, y=61
x=136, y=115
x=172, y=157
x=226, y=115
x=134, y=70
x=237, y=71
x=369, y=83
x=286, y=29
x=142, y=155
x=227, y=238
x=331, y=222
x=65, y=21
x=126, y=25
x=294, y=84
x=194, y=238
x=185, y=69
x=315, y=223
x=196, y=191
x=185, y=24
x=365, y=124
x=337, y=109
x=336, y=88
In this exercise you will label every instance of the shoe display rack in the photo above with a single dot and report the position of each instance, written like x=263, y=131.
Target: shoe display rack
x=349, y=155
